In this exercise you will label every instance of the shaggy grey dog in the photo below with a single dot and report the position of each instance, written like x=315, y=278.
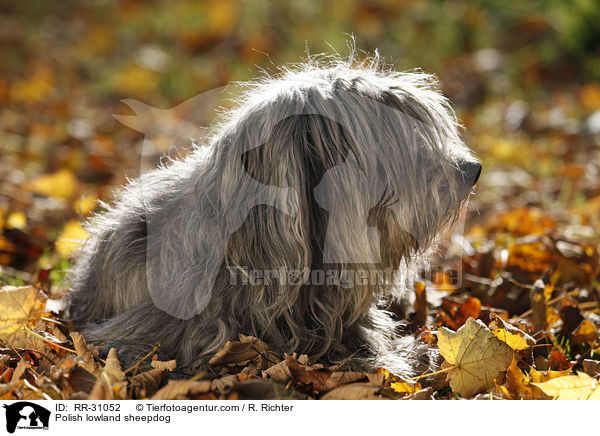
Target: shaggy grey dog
x=296, y=222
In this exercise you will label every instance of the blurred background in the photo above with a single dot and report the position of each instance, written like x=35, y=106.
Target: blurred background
x=523, y=77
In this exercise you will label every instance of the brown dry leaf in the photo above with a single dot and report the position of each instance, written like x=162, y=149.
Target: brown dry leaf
x=358, y=391
x=585, y=333
x=572, y=387
x=182, y=389
x=19, y=306
x=168, y=365
x=83, y=351
x=423, y=394
x=537, y=301
x=477, y=355
x=320, y=379
x=224, y=384
x=100, y=391
x=591, y=367
x=471, y=308
x=571, y=318
x=455, y=314
x=257, y=389
x=317, y=376
x=421, y=306
x=112, y=372
x=558, y=361
x=48, y=387
x=19, y=371
x=247, y=349
x=279, y=373
x=514, y=337
x=146, y=383
x=344, y=378
x=80, y=380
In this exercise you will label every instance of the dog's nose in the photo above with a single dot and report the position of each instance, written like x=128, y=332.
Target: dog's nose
x=470, y=172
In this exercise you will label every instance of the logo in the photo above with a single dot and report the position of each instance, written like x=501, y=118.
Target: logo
x=26, y=415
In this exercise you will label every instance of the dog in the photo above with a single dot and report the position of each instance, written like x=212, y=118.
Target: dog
x=298, y=220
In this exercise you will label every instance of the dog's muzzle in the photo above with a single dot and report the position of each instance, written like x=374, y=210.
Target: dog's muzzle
x=470, y=174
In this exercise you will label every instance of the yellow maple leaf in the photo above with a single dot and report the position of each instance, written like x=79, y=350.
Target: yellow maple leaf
x=477, y=357
x=572, y=387
x=18, y=306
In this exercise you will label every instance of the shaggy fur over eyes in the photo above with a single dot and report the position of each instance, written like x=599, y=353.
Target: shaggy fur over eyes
x=303, y=214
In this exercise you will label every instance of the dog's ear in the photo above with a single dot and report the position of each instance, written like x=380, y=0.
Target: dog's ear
x=275, y=232
x=227, y=220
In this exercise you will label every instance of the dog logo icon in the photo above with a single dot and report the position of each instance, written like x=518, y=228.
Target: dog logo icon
x=26, y=415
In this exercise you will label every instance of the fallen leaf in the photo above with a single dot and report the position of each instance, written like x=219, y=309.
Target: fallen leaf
x=477, y=356
x=16, y=220
x=537, y=300
x=182, y=389
x=358, y=391
x=19, y=306
x=514, y=337
x=279, y=373
x=421, y=306
x=168, y=365
x=518, y=386
x=405, y=387
x=316, y=376
x=19, y=370
x=100, y=391
x=591, y=367
x=71, y=238
x=83, y=351
x=147, y=383
x=112, y=372
x=470, y=308
x=247, y=349
x=572, y=387
x=571, y=318
x=61, y=184
x=423, y=394
x=585, y=333
x=558, y=361
x=540, y=377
